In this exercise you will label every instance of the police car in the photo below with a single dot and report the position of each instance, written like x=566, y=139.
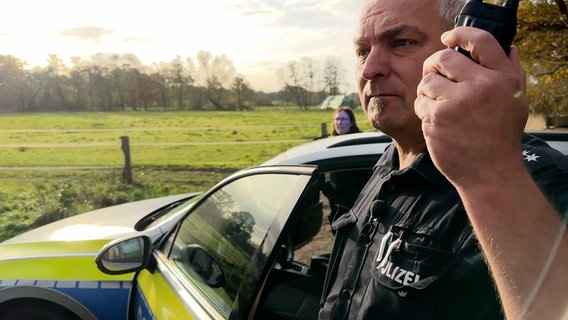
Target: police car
x=227, y=253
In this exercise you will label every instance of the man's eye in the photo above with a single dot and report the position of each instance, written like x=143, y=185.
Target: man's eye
x=362, y=52
x=402, y=43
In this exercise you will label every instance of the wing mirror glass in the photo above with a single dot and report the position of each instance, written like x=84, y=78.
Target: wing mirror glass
x=124, y=256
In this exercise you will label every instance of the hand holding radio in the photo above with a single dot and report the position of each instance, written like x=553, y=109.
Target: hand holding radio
x=457, y=98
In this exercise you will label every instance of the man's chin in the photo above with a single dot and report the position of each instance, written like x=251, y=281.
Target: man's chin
x=374, y=118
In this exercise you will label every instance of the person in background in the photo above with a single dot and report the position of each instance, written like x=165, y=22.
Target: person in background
x=464, y=216
x=343, y=187
x=343, y=121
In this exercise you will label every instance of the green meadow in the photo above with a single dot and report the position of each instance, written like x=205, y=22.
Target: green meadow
x=55, y=165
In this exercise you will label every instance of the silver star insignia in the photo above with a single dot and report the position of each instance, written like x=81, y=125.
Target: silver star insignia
x=530, y=157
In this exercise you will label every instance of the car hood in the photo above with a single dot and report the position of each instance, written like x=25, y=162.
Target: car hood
x=103, y=224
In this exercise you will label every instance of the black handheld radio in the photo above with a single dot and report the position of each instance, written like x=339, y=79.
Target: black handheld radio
x=500, y=21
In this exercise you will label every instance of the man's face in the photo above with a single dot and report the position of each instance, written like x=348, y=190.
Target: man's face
x=393, y=40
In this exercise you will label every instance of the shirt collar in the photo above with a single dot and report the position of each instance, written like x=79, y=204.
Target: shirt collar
x=422, y=165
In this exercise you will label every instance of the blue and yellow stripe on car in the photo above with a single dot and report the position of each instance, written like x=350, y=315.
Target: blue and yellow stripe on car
x=103, y=299
x=63, y=272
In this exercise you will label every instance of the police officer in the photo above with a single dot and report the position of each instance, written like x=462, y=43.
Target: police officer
x=407, y=248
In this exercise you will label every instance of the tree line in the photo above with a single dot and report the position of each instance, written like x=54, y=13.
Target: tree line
x=114, y=82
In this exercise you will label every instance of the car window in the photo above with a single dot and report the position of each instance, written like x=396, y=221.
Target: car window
x=231, y=225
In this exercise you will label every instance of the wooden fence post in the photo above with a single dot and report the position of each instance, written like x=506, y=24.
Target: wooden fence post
x=127, y=169
x=324, y=130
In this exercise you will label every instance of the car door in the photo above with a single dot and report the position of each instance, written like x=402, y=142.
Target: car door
x=212, y=264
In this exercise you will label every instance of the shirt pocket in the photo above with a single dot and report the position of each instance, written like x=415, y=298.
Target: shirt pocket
x=412, y=265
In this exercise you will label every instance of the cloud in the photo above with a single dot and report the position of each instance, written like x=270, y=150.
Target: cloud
x=87, y=33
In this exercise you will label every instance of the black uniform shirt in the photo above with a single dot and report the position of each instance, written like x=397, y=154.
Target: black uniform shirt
x=407, y=251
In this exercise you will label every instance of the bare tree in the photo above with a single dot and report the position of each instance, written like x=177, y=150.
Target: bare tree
x=332, y=75
x=179, y=81
x=301, y=81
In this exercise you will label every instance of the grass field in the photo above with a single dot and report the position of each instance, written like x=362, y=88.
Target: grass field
x=60, y=164
x=180, y=139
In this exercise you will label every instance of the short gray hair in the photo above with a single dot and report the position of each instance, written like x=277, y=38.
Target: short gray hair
x=450, y=9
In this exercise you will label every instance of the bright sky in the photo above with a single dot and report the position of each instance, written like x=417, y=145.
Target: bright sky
x=258, y=36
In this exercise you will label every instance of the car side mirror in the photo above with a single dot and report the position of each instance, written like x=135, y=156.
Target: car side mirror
x=124, y=256
x=206, y=266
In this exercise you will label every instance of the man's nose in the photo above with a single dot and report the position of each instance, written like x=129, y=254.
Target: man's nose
x=377, y=64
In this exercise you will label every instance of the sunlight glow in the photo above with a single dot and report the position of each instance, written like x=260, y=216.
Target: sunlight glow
x=259, y=36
